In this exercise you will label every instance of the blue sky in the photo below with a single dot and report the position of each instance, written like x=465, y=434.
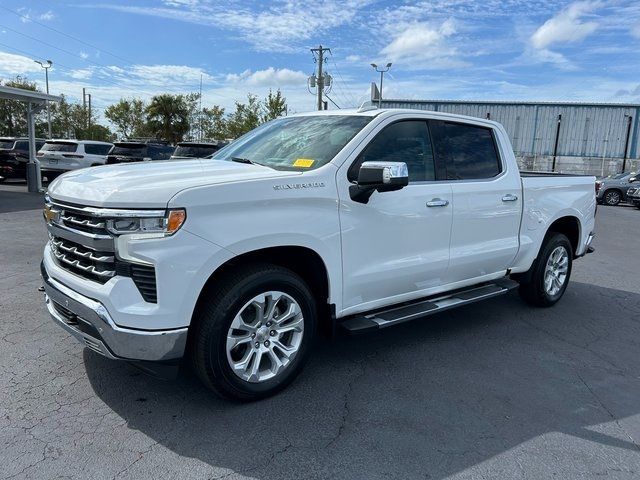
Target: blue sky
x=443, y=49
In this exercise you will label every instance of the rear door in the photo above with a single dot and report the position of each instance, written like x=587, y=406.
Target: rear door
x=486, y=200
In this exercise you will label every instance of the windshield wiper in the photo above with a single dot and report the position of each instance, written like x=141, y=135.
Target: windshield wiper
x=248, y=161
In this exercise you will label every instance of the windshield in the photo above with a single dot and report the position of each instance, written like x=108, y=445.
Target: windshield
x=59, y=147
x=129, y=150
x=195, y=151
x=295, y=143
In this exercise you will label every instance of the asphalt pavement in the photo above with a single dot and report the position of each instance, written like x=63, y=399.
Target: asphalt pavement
x=494, y=390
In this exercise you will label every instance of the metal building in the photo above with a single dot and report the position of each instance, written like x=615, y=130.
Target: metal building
x=593, y=138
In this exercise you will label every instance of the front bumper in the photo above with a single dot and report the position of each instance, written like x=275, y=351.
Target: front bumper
x=89, y=321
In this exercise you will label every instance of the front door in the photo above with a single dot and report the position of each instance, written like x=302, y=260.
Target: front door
x=396, y=246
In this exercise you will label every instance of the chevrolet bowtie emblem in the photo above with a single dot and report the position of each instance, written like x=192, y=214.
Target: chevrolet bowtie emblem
x=50, y=215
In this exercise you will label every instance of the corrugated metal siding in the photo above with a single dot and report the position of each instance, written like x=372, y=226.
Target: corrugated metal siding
x=586, y=130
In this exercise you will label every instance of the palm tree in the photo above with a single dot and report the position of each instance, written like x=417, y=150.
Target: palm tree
x=168, y=117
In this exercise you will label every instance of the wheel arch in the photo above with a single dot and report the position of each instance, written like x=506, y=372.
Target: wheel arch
x=303, y=261
x=569, y=226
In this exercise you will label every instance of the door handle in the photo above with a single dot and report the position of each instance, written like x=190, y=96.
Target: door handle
x=509, y=198
x=438, y=202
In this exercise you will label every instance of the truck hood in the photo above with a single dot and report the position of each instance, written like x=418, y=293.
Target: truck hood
x=151, y=184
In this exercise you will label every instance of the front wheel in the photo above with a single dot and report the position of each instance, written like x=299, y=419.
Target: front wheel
x=550, y=272
x=253, y=335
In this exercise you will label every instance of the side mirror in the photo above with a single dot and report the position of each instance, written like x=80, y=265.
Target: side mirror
x=633, y=179
x=380, y=176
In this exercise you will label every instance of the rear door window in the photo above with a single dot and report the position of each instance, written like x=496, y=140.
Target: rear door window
x=21, y=145
x=469, y=151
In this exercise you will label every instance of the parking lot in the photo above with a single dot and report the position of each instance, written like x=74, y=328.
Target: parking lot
x=492, y=390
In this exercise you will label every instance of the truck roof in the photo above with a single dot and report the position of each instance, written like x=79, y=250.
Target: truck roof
x=372, y=111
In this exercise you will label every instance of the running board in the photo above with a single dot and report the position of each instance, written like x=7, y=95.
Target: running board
x=421, y=308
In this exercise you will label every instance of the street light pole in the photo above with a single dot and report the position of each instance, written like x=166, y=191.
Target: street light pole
x=382, y=71
x=46, y=77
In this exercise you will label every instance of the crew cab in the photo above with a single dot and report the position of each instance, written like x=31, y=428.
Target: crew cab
x=352, y=220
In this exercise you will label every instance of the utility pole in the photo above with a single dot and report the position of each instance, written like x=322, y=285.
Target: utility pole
x=86, y=95
x=320, y=80
x=46, y=77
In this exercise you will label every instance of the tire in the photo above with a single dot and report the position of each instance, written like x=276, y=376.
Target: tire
x=533, y=289
x=212, y=333
x=612, y=197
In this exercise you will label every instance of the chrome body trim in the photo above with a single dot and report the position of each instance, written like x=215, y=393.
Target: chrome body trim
x=103, y=243
x=110, y=340
x=108, y=212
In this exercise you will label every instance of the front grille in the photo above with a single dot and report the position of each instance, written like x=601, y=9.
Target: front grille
x=83, y=222
x=81, y=244
x=91, y=264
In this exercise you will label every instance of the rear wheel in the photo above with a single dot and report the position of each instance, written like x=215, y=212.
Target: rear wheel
x=254, y=332
x=549, y=276
x=612, y=197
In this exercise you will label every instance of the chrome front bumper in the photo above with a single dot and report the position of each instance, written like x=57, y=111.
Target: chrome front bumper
x=90, y=322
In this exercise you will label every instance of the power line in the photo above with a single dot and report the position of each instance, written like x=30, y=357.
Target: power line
x=66, y=34
x=346, y=90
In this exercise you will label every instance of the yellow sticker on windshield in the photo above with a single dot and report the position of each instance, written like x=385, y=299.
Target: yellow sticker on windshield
x=303, y=162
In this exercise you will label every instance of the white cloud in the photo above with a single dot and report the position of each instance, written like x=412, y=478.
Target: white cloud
x=281, y=25
x=16, y=64
x=83, y=55
x=422, y=45
x=567, y=26
x=166, y=74
x=47, y=16
x=353, y=58
x=269, y=77
x=82, y=74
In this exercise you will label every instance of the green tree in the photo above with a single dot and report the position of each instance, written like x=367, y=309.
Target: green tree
x=246, y=117
x=13, y=114
x=274, y=106
x=128, y=116
x=214, y=123
x=168, y=117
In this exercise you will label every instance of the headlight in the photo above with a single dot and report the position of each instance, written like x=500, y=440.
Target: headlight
x=148, y=226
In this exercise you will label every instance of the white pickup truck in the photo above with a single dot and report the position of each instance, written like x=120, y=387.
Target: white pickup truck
x=353, y=220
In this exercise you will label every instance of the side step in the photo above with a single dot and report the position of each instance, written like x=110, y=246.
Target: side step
x=421, y=308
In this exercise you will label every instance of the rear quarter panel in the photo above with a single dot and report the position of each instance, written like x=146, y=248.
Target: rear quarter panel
x=546, y=199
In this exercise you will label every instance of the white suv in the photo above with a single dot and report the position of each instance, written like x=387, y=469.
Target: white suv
x=59, y=156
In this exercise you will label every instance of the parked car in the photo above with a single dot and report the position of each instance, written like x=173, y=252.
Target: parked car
x=633, y=196
x=613, y=189
x=357, y=220
x=196, y=149
x=59, y=156
x=127, y=152
x=14, y=156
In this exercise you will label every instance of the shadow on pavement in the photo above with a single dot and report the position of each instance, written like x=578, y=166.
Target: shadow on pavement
x=426, y=399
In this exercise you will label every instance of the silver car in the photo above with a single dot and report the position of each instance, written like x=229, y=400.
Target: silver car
x=613, y=189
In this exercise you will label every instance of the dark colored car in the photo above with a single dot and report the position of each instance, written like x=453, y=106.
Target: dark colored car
x=14, y=156
x=128, y=152
x=196, y=149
